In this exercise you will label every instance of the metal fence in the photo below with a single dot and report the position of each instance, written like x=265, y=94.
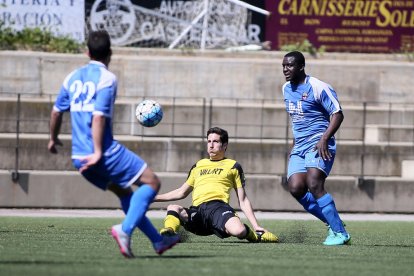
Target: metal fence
x=374, y=139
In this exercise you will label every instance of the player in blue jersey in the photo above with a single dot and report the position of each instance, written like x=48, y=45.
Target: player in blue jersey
x=89, y=94
x=316, y=115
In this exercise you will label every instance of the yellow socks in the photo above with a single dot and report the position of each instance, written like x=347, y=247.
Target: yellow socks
x=251, y=236
x=171, y=222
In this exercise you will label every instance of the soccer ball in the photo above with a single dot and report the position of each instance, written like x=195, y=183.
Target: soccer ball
x=149, y=113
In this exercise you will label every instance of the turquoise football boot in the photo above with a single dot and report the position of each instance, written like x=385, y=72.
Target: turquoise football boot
x=337, y=238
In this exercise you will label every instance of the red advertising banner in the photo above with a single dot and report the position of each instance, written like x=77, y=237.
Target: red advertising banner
x=364, y=26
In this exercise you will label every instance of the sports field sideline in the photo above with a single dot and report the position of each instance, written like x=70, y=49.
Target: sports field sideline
x=113, y=213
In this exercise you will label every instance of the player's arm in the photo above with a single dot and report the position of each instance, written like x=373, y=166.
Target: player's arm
x=334, y=124
x=247, y=209
x=177, y=194
x=55, y=124
x=98, y=126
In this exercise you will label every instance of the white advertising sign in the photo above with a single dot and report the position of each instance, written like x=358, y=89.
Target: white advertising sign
x=222, y=22
x=61, y=17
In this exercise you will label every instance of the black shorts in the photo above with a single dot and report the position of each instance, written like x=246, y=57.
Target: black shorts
x=209, y=218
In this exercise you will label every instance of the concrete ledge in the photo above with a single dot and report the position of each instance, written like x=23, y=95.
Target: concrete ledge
x=408, y=169
x=375, y=133
x=267, y=193
x=230, y=75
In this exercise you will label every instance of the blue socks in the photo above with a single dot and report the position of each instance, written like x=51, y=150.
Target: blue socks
x=309, y=203
x=145, y=225
x=135, y=216
x=328, y=208
x=125, y=200
x=149, y=230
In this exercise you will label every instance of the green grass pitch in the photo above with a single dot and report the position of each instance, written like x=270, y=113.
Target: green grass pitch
x=83, y=246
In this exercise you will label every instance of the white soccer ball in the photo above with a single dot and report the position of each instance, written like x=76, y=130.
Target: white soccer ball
x=149, y=113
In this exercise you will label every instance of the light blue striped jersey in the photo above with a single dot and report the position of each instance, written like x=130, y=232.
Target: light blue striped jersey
x=310, y=105
x=86, y=91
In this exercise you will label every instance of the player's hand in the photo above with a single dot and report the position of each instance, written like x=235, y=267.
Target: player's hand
x=260, y=229
x=322, y=148
x=89, y=161
x=52, y=145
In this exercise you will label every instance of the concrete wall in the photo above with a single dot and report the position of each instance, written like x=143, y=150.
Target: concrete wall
x=179, y=154
x=356, y=77
x=231, y=90
x=69, y=189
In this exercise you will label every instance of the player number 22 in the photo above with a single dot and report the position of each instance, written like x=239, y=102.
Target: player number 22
x=83, y=94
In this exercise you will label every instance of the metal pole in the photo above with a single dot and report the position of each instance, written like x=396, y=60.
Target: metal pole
x=203, y=127
x=210, y=120
x=250, y=7
x=284, y=176
x=186, y=30
x=173, y=118
x=364, y=119
x=262, y=118
x=389, y=123
x=412, y=110
x=210, y=115
x=15, y=173
x=205, y=26
x=237, y=120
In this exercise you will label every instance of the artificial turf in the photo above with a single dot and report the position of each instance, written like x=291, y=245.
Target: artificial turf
x=83, y=246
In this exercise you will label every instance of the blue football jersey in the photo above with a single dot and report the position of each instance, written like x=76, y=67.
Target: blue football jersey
x=86, y=91
x=310, y=106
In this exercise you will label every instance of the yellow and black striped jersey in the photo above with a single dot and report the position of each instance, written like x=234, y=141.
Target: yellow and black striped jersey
x=213, y=180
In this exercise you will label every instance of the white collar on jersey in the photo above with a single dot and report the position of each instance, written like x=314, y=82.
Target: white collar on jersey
x=97, y=63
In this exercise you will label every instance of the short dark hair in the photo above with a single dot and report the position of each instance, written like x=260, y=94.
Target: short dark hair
x=224, y=136
x=299, y=57
x=99, y=45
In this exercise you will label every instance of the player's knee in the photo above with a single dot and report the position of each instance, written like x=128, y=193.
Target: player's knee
x=240, y=232
x=297, y=191
x=149, y=178
x=235, y=228
x=155, y=183
x=120, y=192
x=178, y=212
x=297, y=188
x=174, y=207
x=316, y=186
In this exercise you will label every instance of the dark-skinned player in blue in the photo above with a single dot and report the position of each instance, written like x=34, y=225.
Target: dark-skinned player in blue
x=316, y=115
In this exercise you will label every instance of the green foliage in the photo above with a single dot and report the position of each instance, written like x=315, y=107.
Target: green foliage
x=407, y=50
x=304, y=46
x=36, y=39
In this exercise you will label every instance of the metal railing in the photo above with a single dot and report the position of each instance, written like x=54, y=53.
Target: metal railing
x=372, y=132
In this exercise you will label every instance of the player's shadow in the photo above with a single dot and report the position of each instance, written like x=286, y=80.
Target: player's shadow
x=175, y=256
x=36, y=262
x=387, y=245
x=12, y=231
x=297, y=234
x=367, y=186
x=224, y=242
x=23, y=181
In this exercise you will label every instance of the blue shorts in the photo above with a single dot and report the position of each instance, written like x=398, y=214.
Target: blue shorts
x=122, y=168
x=299, y=163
